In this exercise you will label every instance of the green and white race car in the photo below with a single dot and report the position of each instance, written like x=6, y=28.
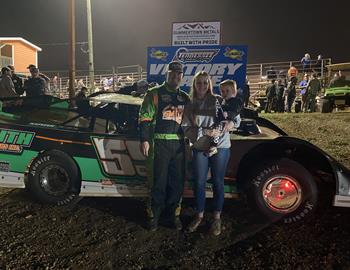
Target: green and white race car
x=59, y=152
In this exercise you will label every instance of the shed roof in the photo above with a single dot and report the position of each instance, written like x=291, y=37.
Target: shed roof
x=20, y=39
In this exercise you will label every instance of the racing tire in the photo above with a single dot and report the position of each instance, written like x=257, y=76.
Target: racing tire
x=326, y=106
x=283, y=190
x=53, y=178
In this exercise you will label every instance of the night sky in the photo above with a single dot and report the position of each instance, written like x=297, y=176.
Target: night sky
x=123, y=29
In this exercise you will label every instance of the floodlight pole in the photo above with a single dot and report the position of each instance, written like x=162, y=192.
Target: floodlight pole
x=90, y=46
x=72, y=49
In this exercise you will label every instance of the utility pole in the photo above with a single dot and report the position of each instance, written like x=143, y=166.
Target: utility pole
x=72, y=49
x=90, y=46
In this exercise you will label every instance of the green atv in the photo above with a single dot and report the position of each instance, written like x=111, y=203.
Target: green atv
x=337, y=95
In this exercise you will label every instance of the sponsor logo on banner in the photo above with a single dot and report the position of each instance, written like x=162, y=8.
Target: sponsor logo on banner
x=14, y=140
x=233, y=54
x=185, y=55
x=158, y=54
x=220, y=62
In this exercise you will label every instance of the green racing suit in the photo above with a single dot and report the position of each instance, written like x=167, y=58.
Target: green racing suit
x=160, y=124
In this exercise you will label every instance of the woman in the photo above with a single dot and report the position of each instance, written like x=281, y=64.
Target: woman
x=199, y=119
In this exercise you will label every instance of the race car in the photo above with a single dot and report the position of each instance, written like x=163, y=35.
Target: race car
x=59, y=152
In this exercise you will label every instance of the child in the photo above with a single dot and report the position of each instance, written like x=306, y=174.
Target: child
x=226, y=110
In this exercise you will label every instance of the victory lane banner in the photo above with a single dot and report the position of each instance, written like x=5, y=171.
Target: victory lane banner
x=221, y=62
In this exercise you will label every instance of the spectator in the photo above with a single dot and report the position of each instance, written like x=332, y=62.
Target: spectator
x=303, y=85
x=306, y=62
x=292, y=72
x=7, y=88
x=313, y=89
x=141, y=88
x=41, y=75
x=270, y=97
x=334, y=81
x=128, y=89
x=246, y=93
x=80, y=84
x=290, y=94
x=35, y=85
x=271, y=74
x=17, y=81
x=82, y=102
x=280, y=87
x=55, y=84
x=318, y=65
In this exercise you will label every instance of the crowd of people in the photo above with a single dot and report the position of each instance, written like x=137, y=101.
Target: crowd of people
x=283, y=89
x=12, y=85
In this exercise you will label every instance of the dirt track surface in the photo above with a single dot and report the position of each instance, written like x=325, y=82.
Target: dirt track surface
x=109, y=233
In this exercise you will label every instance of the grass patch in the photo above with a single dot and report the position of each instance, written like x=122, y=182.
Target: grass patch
x=330, y=132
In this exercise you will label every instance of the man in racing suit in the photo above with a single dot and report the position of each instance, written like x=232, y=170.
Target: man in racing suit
x=162, y=143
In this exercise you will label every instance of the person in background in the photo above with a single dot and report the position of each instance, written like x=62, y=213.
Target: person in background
x=271, y=73
x=312, y=90
x=17, y=81
x=41, y=75
x=306, y=62
x=35, y=85
x=55, y=84
x=141, y=88
x=246, y=92
x=334, y=80
x=290, y=94
x=318, y=66
x=162, y=142
x=270, y=97
x=137, y=89
x=7, y=88
x=198, y=123
x=292, y=72
x=279, y=96
x=81, y=100
x=303, y=85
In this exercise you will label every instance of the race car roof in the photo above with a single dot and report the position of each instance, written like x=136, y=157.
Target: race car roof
x=117, y=98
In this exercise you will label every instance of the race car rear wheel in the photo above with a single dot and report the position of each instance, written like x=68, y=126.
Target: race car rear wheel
x=283, y=189
x=52, y=177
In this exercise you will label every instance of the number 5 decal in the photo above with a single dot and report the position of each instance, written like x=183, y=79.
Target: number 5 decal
x=113, y=157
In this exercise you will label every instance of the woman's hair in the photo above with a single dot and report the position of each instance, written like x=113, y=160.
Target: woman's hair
x=232, y=84
x=193, y=87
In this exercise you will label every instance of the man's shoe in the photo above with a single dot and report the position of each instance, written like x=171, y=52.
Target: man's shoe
x=215, y=228
x=152, y=224
x=177, y=224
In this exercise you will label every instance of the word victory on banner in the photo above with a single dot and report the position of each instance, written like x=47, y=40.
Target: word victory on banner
x=221, y=62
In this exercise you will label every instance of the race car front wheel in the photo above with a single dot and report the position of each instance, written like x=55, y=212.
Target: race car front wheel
x=52, y=177
x=283, y=189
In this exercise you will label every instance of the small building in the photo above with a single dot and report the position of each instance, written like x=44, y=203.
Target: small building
x=18, y=52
